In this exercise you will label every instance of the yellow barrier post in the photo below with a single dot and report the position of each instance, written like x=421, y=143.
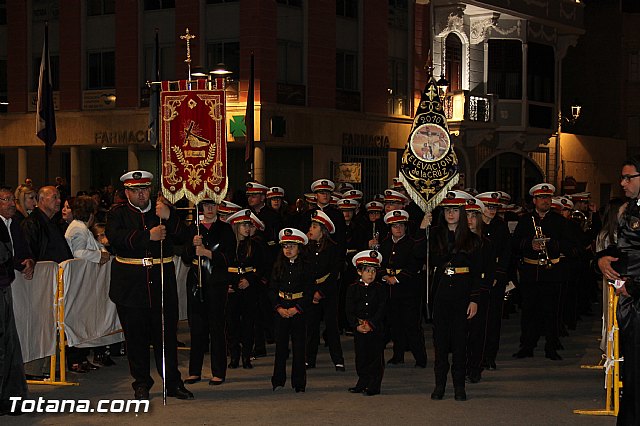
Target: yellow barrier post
x=612, y=364
x=59, y=312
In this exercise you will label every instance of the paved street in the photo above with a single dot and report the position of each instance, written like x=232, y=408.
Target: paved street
x=535, y=391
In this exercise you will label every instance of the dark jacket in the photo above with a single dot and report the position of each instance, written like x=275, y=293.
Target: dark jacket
x=297, y=277
x=366, y=303
x=46, y=241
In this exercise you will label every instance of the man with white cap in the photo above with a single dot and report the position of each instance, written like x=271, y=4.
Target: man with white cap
x=139, y=232
x=323, y=188
x=538, y=240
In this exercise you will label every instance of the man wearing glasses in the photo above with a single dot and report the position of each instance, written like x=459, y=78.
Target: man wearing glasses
x=538, y=240
x=624, y=274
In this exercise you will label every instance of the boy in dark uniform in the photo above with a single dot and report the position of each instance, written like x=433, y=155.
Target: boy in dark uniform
x=365, y=308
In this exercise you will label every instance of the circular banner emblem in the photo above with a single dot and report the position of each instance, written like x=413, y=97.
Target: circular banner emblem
x=430, y=142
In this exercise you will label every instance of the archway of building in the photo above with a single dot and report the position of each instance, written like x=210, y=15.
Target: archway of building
x=510, y=172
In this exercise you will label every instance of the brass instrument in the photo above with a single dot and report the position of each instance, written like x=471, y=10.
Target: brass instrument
x=376, y=234
x=543, y=259
x=581, y=219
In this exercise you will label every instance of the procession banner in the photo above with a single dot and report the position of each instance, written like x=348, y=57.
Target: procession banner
x=194, y=141
x=429, y=165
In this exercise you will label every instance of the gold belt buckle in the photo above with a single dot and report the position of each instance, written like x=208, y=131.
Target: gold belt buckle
x=449, y=271
x=147, y=261
x=240, y=270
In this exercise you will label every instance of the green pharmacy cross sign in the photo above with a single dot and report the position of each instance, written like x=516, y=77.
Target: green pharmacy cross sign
x=237, y=126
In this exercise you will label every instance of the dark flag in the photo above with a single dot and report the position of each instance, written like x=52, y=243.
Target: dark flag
x=154, y=95
x=45, y=115
x=429, y=165
x=249, y=117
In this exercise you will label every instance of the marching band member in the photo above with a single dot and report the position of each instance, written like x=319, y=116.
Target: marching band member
x=275, y=200
x=366, y=305
x=291, y=292
x=457, y=280
x=215, y=244
x=138, y=236
x=375, y=226
x=402, y=263
x=538, y=240
x=327, y=258
x=478, y=324
x=497, y=231
x=244, y=270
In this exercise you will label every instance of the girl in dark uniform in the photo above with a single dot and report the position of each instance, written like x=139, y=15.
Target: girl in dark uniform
x=291, y=291
x=478, y=324
x=365, y=307
x=244, y=279
x=214, y=244
x=326, y=261
x=455, y=254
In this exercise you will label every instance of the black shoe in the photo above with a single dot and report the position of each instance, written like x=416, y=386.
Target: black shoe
x=298, y=390
x=192, y=379
x=260, y=354
x=553, y=355
x=340, y=367
x=89, y=366
x=180, y=392
x=277, y=386
x=370, y=392
x=395, y=361
x=421, y=364
x=460, y=394
x=524, y=353
x=490, y=365
x=234, y=363
x=141, y=392
x=36, y=377
x=78, y=368
x=103, y=360
x=310, y=365
x=438, y=393
x=246, y=364
x=356, y=389
x=473, y=377
x=214, y=382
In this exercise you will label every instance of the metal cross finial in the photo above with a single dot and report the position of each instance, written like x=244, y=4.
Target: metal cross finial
x=188, y=38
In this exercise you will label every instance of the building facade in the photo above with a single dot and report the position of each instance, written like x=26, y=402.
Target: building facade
x=337, y=81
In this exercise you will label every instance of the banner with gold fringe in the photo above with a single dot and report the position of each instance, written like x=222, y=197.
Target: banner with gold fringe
x=429, y=165
x=194, y=140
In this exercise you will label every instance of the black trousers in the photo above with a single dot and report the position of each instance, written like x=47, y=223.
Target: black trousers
x=476, y=336
x=450, y=335
x=494, y=321
x=369, y=348
x=241, y=315
x=142, y=326
x=406, y=328
x=326, y=309
x=296, y=329
x=12, y=379
x=540, y=305
x=207, y=327
x=629, y=323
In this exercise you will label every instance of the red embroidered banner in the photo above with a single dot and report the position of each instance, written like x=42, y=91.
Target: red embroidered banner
x=194, y=141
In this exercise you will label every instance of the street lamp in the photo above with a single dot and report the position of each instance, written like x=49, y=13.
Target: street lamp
x=443, y=84
x=576, y=109
x=220, y=70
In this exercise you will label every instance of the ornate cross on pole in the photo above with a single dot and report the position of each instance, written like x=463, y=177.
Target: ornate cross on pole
x=188, y=37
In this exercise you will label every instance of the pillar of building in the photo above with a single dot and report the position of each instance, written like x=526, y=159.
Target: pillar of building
x=132, y=157
x=75, y=183
x=22, y=165
x=258, y=163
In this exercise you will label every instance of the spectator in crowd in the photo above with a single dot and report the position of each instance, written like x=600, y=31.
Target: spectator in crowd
x=26, y=200
x=14, y=255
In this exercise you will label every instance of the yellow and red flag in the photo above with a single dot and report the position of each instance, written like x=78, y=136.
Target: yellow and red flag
x=194, y=141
